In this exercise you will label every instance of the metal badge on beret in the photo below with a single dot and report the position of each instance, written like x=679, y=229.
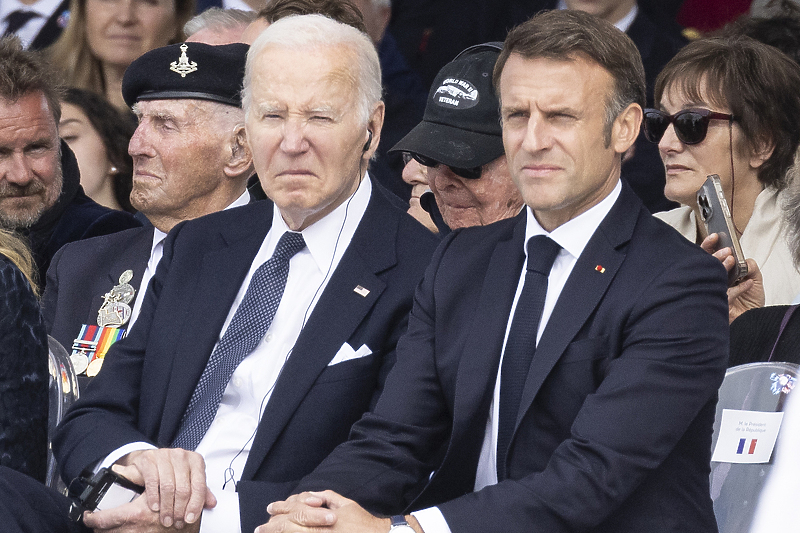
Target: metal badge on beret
x=183, y=66
x=115, y=310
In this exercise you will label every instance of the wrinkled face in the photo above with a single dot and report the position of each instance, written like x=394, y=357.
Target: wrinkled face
x=179, y=151
x=119, y=31
x=475, y=202
x=83, y=139
x=609, y=10
x=688, y=165
x=416, y=175
x=554, y=135
x=30, y=165
x=305, y=132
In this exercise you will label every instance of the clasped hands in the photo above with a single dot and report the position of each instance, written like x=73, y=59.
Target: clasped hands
x=315, y=511
x=174, y=497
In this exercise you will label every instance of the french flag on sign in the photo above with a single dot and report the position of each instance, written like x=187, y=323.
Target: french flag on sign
x=743, y=445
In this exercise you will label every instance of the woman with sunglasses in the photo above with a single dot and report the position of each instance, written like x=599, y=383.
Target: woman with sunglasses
x=731, y=106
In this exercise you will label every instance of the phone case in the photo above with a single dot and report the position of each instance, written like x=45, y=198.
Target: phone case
x=716, y=216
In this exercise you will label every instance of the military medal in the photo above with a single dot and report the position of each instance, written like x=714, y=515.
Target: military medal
x=89, y=349
x=115, y=310
x=79, y=362
x=94, y=367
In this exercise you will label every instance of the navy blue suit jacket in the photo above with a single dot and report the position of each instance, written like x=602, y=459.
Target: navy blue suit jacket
x=613, y=432
x=149, y=376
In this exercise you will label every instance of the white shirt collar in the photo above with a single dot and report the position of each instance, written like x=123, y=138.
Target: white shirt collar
x=323, y=236
x=574, y=235
x=623, y=24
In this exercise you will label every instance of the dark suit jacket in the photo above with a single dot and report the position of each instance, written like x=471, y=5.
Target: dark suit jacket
x=614, y=428
x=82, y=272
x=149, y=376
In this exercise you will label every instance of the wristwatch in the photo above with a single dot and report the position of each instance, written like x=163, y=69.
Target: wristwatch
x=399, y=525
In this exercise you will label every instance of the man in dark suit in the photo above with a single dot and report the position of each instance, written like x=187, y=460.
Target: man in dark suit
x=308, y=368
x=200, y=169
x=40, y=193
x=573, y=394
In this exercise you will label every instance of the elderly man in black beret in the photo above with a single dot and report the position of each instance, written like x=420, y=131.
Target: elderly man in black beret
x=190, y=158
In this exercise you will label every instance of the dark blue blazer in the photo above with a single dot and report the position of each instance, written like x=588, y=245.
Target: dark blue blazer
x=149, y=376
x=613, y=431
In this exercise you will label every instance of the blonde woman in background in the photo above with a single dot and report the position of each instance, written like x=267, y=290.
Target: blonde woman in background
x=103, y=37
x=23, y=363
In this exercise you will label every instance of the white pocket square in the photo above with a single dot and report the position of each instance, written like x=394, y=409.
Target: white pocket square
x=346, y=353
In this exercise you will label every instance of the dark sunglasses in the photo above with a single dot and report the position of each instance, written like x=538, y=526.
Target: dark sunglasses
x=691, y=125
x=466, y=173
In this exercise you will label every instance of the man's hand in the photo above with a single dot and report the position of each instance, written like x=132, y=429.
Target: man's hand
x=311, y=511
x=174, y=483
x=749, y=293
x=134, y=517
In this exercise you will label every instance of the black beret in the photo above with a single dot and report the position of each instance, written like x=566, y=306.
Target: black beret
x=187, y=70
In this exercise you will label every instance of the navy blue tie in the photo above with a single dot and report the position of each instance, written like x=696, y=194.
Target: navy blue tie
x=17, y=19
x=248, y=326
x=521, y=343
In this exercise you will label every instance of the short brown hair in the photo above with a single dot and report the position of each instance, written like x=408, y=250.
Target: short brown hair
x=756, y=82
x=23, y=72
x=342, y=11
x=565, y=35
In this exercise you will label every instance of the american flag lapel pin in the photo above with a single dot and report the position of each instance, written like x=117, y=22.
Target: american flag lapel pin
x=361, y=291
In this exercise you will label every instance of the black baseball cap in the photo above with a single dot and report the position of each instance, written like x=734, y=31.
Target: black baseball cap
x=461, y=125
x=187, y=70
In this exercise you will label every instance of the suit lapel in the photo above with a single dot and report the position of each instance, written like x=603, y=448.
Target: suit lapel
x=583, y=291
x=337, y=314
x=481, y=356
x=219, y=277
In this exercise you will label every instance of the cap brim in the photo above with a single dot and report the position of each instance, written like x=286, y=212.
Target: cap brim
x=451, y=146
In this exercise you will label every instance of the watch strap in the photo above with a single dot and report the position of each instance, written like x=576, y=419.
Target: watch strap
x=398, y=520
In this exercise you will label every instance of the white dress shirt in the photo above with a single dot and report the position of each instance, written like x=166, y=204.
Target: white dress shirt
x=226, y=444
x=572, y=236
x=28, y=32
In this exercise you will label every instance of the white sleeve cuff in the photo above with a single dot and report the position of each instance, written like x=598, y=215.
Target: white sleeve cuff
x=224, y=516
x=117, y=454
x=431, y=520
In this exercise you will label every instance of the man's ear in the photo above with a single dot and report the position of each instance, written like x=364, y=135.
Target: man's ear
x=374, y=125
x=625, y=129
x=241, y=158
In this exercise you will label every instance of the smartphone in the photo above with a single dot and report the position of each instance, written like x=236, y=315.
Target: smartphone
x=716, y=216
x=104, y=490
